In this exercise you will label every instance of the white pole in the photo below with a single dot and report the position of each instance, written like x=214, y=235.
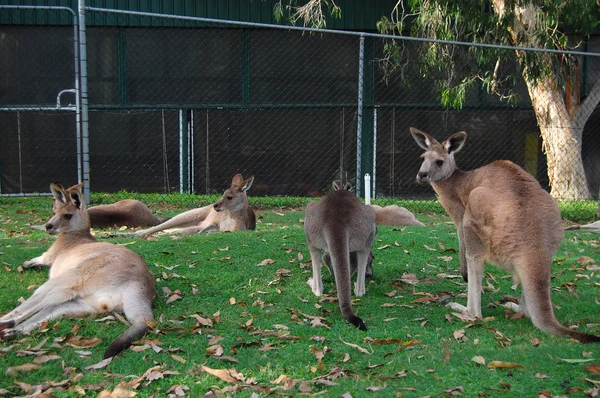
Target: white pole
x=367, y=189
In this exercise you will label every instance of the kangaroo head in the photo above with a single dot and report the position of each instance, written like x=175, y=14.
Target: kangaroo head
x=69, y=210
x=438, y=159
x=235, y=198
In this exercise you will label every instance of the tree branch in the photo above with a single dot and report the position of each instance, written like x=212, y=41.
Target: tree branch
x=587, y=106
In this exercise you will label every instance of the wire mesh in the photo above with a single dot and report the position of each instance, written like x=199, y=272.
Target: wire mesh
x=183, y=105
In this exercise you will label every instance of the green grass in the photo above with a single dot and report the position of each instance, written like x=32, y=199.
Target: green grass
x=267, y=331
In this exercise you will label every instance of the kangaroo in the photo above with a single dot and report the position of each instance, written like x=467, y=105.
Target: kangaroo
x=504, y=217
x=86, y=277
x=594, y=227
x=128, y=212
x=230, y=213
x=393, y=215
x=342, y=227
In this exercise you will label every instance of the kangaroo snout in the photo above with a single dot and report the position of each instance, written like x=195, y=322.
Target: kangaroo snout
x=50, y=228
x=216, y=207
x=422, y=177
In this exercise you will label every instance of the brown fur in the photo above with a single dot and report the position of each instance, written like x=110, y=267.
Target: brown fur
x=503, y=217
x=395, y=216
x=129, y=213
x=230, y=213
x=86, y=277
x=340, y=226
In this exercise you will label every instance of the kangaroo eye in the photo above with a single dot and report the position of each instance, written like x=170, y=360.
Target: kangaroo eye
x=229, y=197
x=439, y=163
x=68, y=216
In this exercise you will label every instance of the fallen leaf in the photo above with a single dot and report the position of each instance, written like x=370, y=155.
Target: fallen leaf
x=266, y=261
x=478, y=359
x=26, y=367
x=83, y=343
x=503, y=365
x=576, y=360
x=222, y=374
x=100, y=365
x=356, y=346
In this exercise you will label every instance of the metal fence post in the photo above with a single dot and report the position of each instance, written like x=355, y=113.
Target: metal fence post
x=359, y=121
x=83, y=92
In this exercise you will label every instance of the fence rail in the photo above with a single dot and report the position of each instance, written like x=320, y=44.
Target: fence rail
x=180, y=104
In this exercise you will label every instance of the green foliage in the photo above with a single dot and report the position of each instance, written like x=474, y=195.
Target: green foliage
x=414, y=346
x=455, y=68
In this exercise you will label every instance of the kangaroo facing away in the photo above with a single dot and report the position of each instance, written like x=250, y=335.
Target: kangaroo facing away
x=85, y=277
x=342, y=227
x=128, y=212
x=230, y=213
x=504, y=217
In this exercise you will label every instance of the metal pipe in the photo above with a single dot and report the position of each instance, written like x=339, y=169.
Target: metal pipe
x=60, y=93
x=334, y=31
x=361, y=70
x=83, y=93
x=374, y=179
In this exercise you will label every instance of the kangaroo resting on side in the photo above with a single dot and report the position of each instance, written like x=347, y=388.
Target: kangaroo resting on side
x=230, y=213
x=128, y=212
x=393, y=215
x=504, y=217
x=85, y=277
x=342, y=227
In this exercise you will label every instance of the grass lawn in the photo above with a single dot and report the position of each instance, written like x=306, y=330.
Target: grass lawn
x=235, y=315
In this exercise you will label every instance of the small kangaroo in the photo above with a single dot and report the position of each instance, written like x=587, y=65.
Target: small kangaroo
x=230, y=213
x=504, y=217
x=342, y=227
x=128, y=212
x=86, y=277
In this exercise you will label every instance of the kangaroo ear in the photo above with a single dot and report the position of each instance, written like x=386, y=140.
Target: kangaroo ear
x=77, y=186
x=76, y=196
x=59, y=193
x=245, y=185
x=237, y=179
x=455, y=142
x=423, y=139
x=337, y=185
x=348, y=186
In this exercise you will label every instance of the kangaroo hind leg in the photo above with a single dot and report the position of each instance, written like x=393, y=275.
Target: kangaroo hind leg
x=74, y=308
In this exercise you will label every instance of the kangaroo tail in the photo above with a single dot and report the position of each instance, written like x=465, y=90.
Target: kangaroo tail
x=137, y=330
x=537, y=304
x=137, y=306
x=340, y=259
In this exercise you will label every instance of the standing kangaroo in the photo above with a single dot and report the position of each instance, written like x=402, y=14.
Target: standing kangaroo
x=342, y=227
x=230, y=213
x=502, y=216
x=86, y=277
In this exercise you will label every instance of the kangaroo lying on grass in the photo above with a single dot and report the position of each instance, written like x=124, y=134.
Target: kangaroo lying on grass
x=124, y=213
x=393, y=215
x=502, y=216
x=344, y=229
x=595, y=226
x=129, y=213
x=86, y=277
x=230, y=213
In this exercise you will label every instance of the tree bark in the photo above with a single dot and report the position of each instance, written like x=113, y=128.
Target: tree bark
x=562, y=141
x=561, y=126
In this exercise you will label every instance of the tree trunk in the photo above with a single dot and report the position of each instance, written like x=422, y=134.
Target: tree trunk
x=561, y=141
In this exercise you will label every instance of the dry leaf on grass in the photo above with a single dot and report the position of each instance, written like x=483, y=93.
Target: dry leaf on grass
x=503, y=365
x=357, y=347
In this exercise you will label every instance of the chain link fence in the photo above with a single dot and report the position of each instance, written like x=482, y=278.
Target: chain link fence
x=179, y=105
